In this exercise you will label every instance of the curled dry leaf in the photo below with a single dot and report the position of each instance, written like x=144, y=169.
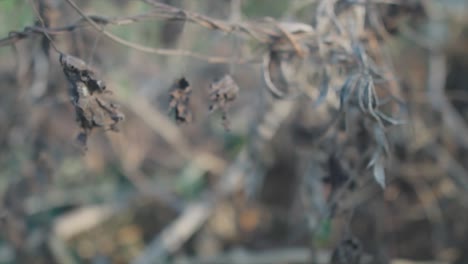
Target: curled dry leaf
x=222, y=94
x=179, y=101
x=287, y=53
x=379, y=173
x=273, y=75
x=87, y=93
x=76, y=70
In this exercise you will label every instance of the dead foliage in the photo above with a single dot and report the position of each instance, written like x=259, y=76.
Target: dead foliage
x=222, y=93
x=180, y=100
x=322, y=144
x=87, y=94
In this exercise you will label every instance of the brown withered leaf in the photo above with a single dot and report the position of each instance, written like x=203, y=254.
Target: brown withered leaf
x=179, y=101
x=222, y=94
x=76, y=70
x=88, y=93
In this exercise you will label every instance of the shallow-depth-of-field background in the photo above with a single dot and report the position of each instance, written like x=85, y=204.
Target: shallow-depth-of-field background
x=255, y=131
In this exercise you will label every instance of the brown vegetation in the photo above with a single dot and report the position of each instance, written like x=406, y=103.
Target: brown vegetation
x=344, y=140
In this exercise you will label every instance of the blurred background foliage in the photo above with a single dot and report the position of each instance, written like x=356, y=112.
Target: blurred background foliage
x=111, y=204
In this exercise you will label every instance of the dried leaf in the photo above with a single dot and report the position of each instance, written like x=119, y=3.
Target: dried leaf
x=374, y=158
x=389, y=119
x=222, y=94
x=347, y=89
x=379, y=173
x=381, y=139
x=179, y=101
x=76, y=69
x=87, y=95
x=377, y=164
x=361, y=95
x=273, y=75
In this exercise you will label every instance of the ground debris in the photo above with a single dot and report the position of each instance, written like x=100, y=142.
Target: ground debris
x=88, y=96
x=179, y=101
x=222, y=94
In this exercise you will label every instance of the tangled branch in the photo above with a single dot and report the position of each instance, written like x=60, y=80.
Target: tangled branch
x=262, y=31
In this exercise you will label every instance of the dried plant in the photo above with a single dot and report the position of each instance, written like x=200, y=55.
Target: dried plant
x=180, y=101
x=322, y=127
x=222, y=94
x=87, y=96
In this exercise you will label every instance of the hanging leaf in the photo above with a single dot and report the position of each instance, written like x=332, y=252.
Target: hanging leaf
x=179, y=101
x=377, y=164
x=389, y=119
x=347, y=89
x=87, y=93
x=381, y=139
x=361, y=93
x=273, y=75
x=222, y=94
x=374, y=158
x=379, y=173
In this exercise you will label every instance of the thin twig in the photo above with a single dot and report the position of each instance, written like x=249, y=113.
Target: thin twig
x=261, y=31
x=146, y=49
x=15, y=36
x=52, y=43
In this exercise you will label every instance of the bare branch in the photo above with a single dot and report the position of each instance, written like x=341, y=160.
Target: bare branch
x=261, y=31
